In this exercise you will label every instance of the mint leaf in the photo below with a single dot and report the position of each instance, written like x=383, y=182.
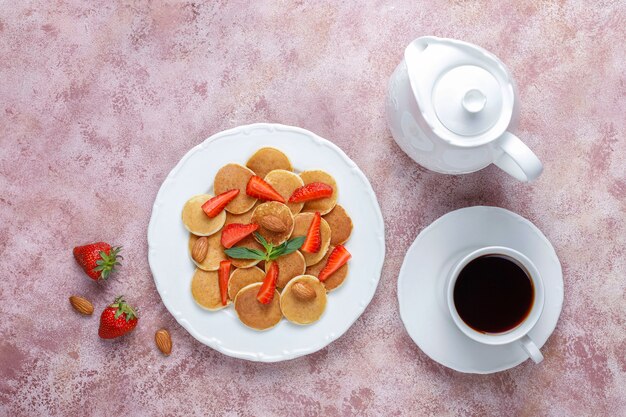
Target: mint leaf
x=293, y=245
x=244, y=253
x=268, y=247
x=286, y=248
x=278, y=251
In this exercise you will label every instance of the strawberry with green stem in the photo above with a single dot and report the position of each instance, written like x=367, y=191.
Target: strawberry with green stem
x=117, y=319
x=98, y=260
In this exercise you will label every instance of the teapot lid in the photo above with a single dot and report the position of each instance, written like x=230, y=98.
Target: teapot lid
x=464, y=93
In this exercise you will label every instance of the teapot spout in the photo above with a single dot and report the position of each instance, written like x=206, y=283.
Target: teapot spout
x=419, y=45
x=415, y=49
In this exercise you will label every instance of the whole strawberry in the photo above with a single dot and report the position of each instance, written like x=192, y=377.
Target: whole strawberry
x=98, y=259
x=117, y=319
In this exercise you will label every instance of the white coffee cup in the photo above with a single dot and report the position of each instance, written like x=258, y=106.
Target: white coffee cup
x=518, y=334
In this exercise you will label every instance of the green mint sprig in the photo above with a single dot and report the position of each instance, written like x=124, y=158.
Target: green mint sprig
x=271, y=252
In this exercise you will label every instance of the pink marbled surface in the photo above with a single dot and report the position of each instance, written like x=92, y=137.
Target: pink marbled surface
x=98, y=102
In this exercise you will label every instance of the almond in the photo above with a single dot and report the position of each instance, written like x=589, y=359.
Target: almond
x=200, y=249
x=82, y=305
x=273, y=223
x=163, y=341
x=303, y=291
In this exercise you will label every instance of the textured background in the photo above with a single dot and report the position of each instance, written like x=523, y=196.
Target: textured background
x=98, y=101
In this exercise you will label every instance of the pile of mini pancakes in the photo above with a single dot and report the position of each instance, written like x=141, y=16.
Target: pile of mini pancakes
x=247, y=275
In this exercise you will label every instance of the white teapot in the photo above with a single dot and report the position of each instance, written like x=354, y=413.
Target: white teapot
x=449, y=105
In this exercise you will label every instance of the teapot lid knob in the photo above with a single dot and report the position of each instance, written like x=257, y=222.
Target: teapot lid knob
x=474, y=100
x=468, y=100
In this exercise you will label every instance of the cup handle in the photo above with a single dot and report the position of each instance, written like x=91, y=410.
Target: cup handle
x=531, y=349
x=517, y=159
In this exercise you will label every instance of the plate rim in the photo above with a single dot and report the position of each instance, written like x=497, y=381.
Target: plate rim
x=324, y=340
x=428, y=229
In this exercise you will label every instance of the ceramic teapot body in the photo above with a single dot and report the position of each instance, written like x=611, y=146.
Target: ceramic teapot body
x=449, y=105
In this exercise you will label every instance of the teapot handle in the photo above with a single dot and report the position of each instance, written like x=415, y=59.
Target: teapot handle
x=516, y=159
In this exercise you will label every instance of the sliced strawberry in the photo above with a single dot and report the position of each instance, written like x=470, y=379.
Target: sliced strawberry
x=338, y=258
x=313, y=241
x=235, y=232
x=214, y=206
x=266, y=292
x=312, y=191
x=223, y=275
x=258, y=188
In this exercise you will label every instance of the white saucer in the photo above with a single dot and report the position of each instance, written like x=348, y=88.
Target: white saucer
x=426, y=266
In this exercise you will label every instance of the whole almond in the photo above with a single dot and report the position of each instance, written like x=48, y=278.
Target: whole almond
x=82, y=305
x=200, y=249
x=163, y=341
x=273, y=223
x=303, y=291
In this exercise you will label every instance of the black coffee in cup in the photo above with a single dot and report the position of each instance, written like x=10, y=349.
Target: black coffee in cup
x=493, y=293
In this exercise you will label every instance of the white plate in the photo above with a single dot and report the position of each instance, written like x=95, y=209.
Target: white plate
x=426, y=266
x=172, y=268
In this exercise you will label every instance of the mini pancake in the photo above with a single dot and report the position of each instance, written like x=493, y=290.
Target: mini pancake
x=323, y=205
x=215, y=254
x=333, y=281
x=196, y=221
x=205, y=289
x=289, y=266
x=243, y=218
x=247, y=242
x=286, y=182
x=242, y=278
x=254, y=314
x=234, y=176
x=300, y=311
x=340, y=225
x=268, y=159
x=279, y=210
x=301, y=225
